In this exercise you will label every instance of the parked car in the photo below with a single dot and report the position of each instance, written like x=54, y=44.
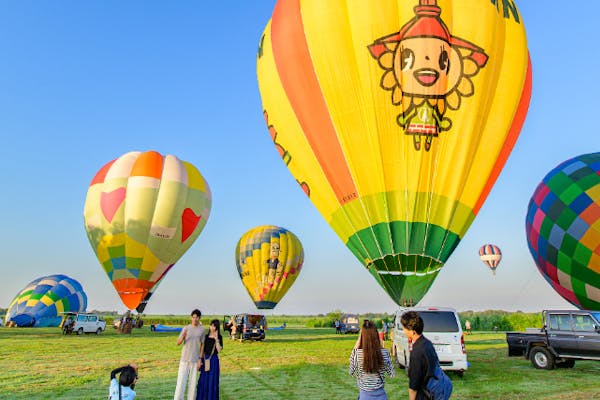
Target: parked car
x=81, y=323
x=565, y=336
x=249, y=327
x=349, y=323
x=441, y=326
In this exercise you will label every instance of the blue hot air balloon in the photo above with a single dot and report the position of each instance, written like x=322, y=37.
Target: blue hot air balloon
x=43, y=300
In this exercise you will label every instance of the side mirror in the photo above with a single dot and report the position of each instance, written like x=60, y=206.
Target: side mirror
x=597, y=328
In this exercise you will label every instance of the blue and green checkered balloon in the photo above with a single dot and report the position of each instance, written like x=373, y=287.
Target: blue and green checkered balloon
x=563, y=230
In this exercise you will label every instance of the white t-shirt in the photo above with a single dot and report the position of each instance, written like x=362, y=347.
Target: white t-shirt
x=191, y=346
x=126, y=392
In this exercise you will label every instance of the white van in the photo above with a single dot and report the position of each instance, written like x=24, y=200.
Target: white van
x=441, y=326
x=81, y=323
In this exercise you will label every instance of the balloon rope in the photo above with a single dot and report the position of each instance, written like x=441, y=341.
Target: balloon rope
x=520, y=293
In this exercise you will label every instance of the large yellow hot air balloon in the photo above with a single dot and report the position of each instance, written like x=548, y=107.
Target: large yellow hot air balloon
x=396, y=120
x=142, y=212
x=269, y=259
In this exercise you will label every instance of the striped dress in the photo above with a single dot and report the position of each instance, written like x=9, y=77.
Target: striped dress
x=368, y=381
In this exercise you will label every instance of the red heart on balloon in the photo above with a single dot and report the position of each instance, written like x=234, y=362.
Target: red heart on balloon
x=111, y=201
x=189, y=222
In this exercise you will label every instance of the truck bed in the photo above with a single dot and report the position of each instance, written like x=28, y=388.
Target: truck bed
x=518, y=342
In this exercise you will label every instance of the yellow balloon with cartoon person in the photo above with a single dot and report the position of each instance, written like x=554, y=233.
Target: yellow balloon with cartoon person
x=269, y=259
x=396, y=119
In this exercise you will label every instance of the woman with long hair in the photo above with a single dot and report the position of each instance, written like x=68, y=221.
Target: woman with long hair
x=208, y=384
x=370, y=362
x=121, y=388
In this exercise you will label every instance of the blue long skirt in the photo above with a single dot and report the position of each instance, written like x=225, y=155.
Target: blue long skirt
x=208, y=384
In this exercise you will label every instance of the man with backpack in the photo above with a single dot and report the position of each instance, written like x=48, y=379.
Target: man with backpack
x=426, y=380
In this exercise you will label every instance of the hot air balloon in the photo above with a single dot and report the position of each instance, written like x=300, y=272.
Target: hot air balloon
x=268, y=259
x=142, y=212
x=491, y=255
x=563, y=230
x=43, y=299
x=395, y=125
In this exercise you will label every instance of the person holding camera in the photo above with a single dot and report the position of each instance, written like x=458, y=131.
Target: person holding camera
x=122, y=389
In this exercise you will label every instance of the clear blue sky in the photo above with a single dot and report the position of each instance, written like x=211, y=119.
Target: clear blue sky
x=82, y=83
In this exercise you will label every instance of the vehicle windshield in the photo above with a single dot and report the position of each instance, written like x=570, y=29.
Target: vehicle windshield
x=256, y=320
x=596, y=315
x=439, y=321
x=352, y=320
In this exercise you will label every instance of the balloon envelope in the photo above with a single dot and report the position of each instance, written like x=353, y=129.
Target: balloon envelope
x=491, y=255
x=563, y=230
x=142, y=212
x=394, y=125
x=269, y=260
x=42, y=301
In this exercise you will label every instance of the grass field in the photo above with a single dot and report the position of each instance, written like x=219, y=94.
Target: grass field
x=296, y=363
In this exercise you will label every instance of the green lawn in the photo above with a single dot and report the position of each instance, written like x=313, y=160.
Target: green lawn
x=296, y=363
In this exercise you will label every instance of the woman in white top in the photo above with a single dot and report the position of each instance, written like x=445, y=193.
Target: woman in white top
x=370, y=362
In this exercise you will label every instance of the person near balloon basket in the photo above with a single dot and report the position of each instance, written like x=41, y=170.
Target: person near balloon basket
x=192, y=338
x=210, y=370
x=122, y=388
x=369, y=363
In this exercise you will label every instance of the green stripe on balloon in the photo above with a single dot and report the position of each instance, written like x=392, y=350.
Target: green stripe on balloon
x=423, y=252
x=426, y=247
x=36, y=296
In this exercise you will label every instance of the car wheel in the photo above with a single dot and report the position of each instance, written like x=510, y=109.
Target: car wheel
x=80, y=331
x=460, y=373
x=98, y=331
x=541, y=358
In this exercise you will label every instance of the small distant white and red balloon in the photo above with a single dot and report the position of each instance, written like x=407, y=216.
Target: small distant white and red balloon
x=491, y=255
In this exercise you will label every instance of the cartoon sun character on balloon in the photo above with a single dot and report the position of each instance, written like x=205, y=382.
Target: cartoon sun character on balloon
x=428, y=71
x=274, y=264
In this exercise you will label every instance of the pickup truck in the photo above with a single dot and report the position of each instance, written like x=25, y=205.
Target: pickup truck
x=566, y=336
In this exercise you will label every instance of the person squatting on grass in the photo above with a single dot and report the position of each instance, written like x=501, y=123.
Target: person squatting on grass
x=423, y=357
x=122, y=389
x=192, y=338
x=369, y=362
x=208, y=384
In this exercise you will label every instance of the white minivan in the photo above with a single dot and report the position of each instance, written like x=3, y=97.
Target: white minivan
x=441, y=326
x=81, y=323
